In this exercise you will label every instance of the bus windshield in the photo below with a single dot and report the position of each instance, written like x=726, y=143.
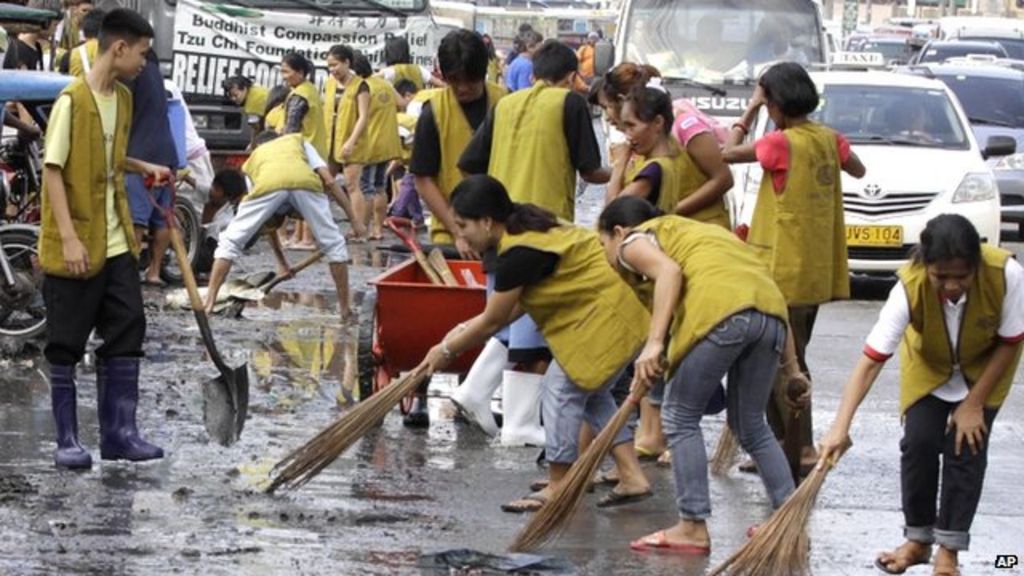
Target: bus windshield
x=721, y=41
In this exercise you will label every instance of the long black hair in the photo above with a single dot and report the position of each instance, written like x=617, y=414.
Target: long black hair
x=626, y=211
x=949, y=237
x=396, y=51
x=482, y=196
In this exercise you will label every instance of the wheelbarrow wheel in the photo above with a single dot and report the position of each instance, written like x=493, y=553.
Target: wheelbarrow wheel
x=368, y=364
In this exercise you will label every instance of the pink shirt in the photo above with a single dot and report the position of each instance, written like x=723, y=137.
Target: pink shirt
x=691, y=122
x=773, y=153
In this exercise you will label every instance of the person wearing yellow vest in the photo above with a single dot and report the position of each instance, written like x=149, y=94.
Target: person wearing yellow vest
x=303, y=111
x=350, y=142
x=273, y=118
x=797, y=227
x=66, y=34
x=80, y=60
x=957, y=319
x=495, y=74
x=406, y=203
x=534, y=142
x=91, y=260
x=446, y=125
x=382, y=145
x=555, y=272
x=286, y=172
x=668, y=176
x=715, y=311
x=252, y=98
x=398, y=66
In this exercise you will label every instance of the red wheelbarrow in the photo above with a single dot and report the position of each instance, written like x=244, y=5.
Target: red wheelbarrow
x=412, y=315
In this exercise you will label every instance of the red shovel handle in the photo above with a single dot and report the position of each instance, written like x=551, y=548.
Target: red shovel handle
x=407, y=236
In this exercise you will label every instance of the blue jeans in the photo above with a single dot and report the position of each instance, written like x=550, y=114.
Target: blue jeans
x=565, y=407
x=746, y=346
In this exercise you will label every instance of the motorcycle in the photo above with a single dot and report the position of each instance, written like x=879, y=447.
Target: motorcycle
x=22, y=310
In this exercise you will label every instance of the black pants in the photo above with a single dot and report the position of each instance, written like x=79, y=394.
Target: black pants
x=925, y=439
x=110, y=303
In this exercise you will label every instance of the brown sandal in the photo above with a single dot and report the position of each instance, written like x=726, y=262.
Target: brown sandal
x=899, y=561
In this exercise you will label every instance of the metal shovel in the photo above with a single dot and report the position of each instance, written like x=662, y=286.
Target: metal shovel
x=226, y=397
x=260, y=290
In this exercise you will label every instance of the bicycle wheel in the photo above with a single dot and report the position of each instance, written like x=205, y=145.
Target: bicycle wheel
x=22, y=310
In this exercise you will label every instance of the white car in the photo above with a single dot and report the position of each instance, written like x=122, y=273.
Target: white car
x=922, y=160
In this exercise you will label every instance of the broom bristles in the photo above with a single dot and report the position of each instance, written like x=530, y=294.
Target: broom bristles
x=725, y=452
x=780, y=546
x=552, y=517
x=308, y=460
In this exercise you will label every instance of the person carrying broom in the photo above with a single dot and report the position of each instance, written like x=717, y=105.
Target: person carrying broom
x=957, y=318
x=594, y=324
x=715, y=311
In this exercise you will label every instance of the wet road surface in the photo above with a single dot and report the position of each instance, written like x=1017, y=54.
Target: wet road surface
x=400, y=493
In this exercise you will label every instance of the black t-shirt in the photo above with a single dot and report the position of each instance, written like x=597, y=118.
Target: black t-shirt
x=426, y=149
x=21, y=55
x=577, y=124
x=522, y=266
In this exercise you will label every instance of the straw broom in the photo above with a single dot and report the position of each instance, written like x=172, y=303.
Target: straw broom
x=552, y=517
x=725, y=452
x=780, y=546
x=303, y=464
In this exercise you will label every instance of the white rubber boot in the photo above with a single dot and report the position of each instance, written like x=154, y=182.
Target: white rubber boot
x=520, y=398
x=473, y=397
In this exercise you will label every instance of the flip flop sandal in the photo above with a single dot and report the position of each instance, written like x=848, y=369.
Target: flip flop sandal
x=614, y=498
x=534, y=498
x=646, y=454
x=748, y=467
x=907, y=562
x=605, y=479
x=538, y=485
x=665, y=460
x=657, y=542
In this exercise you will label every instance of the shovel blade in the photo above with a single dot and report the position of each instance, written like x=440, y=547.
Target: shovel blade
x=226, y=404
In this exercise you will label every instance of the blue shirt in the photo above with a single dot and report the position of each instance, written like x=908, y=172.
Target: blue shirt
x=520, y=74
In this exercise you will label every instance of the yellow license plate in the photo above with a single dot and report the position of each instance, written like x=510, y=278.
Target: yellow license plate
x=874, y=236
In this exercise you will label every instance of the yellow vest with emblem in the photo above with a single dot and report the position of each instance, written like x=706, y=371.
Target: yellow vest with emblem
x=408, y=122
x=313, y=123
x=410, y=72
x=256, y=101
x=721, y=277
x=345, y=120
x=927, y=360
x=281, y=164
x=85, y=182
x=381, y=136
x=529, y=151
x=681, y=177
x=800, y=233
x=454, y=133
x=591, y=319
x=77, y=63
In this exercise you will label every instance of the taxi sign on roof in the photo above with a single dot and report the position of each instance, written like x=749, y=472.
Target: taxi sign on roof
x=858, y=60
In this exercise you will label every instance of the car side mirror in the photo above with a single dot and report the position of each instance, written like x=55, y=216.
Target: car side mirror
x=604, y=57
x=999, y=146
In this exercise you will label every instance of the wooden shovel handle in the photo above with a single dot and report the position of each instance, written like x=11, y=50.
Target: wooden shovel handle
x=309, y=261
x=186, y=269
x=395, y=225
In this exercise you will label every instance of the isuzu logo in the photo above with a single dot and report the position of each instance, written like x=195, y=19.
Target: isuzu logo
x=873, y=191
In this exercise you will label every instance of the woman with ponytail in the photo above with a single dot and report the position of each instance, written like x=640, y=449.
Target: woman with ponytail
x=592, y=321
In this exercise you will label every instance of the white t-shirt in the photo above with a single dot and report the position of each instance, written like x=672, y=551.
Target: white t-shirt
x=389, y=74
x=884, y=339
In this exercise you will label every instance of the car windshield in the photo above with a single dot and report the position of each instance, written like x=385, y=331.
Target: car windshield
x=889, y=49
x=716, y=41
x=1014, y=46
x=943, y=52
x=990, y=101
x=896, y=116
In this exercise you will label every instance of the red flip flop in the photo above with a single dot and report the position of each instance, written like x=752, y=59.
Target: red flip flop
x=657, y=542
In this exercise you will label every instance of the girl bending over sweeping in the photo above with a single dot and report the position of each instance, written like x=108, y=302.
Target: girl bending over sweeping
x=593, y=323
x=957, y=319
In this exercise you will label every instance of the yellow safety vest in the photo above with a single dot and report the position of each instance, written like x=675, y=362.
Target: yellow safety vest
x=800, y=233
x=408, y=122
x=381, y=136
x=313, y=123
x=85, y=182
x=493, y=71
x=529, y=151
x=926, y=358
x=281, y=164
x=79, y=63
x=454, y=134
x=275, y=119
x=410, y=72
x=591, y=319
x=721, y=277
x=345, y=118
x=681, y=177
x=255, y=103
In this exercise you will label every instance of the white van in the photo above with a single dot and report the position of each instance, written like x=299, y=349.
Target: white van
x=922, y=160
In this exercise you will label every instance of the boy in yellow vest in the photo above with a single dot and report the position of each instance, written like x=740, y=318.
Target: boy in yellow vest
x=797, y=227
x=287, y=172
x=87, y=248
x=80, y=60
x=957, y=319
x=446, y=125
x=406, y=203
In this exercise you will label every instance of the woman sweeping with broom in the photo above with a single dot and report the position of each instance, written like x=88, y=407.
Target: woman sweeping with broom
x=725, y=315
x=957, y=318
x=592, y=321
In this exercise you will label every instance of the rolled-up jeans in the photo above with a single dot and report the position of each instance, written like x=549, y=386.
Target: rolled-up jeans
x=565, y=407
x=746, y=346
